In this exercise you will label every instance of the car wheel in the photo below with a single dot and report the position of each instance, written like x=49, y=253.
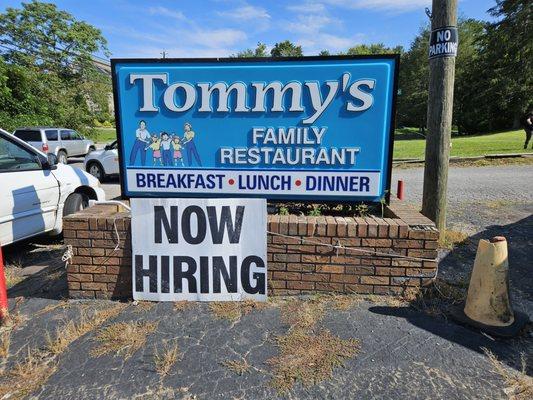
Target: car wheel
x=96, y=170
x=75, y=202
x=62, y=157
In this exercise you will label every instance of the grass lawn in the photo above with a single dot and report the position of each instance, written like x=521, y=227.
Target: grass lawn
x=414, y=147
x=466, y=146
x=103, y=135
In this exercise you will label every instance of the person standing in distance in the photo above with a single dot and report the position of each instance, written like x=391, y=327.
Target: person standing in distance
x=528, y=127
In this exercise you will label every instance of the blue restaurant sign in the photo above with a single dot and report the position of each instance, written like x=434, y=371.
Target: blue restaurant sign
x=311, y=128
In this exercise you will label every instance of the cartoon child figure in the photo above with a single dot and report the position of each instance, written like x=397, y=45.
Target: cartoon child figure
x=142, y=138
x=176, y=145
x=156, y=149
x=166, y=148
x=189, y=145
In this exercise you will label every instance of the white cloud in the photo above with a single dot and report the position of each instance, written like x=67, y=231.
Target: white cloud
x=382, y=5
x=308, y=24
x=165, y=12
x=307, y=7
x=216, y=37
x=325, y=41
x=245, y=13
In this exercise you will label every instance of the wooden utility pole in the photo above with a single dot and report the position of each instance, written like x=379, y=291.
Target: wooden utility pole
x=439, y=114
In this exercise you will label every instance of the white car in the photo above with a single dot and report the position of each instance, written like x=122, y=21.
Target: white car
x=101, y=163
x=37, y=192
x=59, y=141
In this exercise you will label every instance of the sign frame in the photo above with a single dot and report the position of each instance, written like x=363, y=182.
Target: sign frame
x=387, y=172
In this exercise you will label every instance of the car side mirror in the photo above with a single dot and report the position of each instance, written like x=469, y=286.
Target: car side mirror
x=107, y=147
x=51, y=161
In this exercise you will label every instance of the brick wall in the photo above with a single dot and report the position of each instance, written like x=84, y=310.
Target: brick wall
x=301, y=258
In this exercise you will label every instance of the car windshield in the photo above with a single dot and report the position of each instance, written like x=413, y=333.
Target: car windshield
x=14, y=157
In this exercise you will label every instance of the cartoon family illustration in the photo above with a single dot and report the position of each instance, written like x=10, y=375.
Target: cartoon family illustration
x=166, y=148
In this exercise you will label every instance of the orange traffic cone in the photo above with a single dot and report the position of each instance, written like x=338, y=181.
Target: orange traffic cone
x=488, y=305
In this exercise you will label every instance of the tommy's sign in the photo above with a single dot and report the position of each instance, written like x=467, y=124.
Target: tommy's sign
x=289, y=129
x=199, y=249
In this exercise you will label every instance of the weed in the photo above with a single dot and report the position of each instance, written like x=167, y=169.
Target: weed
x=50, y=307
x=39, y=365
x=283, y=211
x=316, y=211
x=182, y=305
x=13, y=276
x=5, y=341
x=165, y=360
x=361, y=210
x=234, y=310
x=303, y=314
x=344, y=302
x=239, y=367
x=142, y=306
x=519, y=384
x=451, y=239
x=309, y=358
x=123, y=338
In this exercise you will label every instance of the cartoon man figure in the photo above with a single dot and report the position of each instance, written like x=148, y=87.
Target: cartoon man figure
x=166, y=147
x=189, y=145
x=142, y=139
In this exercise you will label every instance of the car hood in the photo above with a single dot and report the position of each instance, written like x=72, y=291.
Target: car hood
x=71, y=176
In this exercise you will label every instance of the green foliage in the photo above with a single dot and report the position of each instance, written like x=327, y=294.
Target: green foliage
x=48, y=76
x=259, y=51
x=286, y=49
x=375, y=48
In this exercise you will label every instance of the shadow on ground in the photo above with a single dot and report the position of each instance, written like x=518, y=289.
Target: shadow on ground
x=455, y=267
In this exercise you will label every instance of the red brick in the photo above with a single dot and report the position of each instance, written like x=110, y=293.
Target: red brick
x=422, y=253
x=293, y=225
x=358, y=288
x=341, y=278
x=388, y=271
x=320, y=226
x=376, y=242
x=79, y=260
x=393, y=227
x=301, y=248
x=74, y=286
x=375, y=280
x=286, y=257
x=286, y=240
x=93, y=286
x=302, y=225
x=313, y=258
x=328, y=286
x=300, y=285
x=372, y=227
x=356, y=270
x=298, y=267
x=315, y=277
x=342, y=226
x=284, y=224
x=92, y=269
x=105, y=278
x=431, y=244
x=311, y=226
x=277, y=284
x=289, y=276
x=362, y=227
x=332, y=269
x=403, y=229
x=277, y=266
x=273, y=223
x=351, y=226
x=107, y=260
x=331, y=229
x=79, y=277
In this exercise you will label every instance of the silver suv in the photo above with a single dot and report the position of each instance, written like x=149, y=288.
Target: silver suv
x=59, y=141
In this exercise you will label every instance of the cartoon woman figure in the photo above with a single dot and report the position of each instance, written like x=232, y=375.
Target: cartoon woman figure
x=176, y=145
x=166, y=143
x=156, y=149
x=189, y=145
x=142, y=138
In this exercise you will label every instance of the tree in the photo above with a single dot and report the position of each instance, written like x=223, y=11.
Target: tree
x=49, y=65
x=286, y=49
x=259, y=51
x=375, y=48
x=324, y=53
x=508, y=50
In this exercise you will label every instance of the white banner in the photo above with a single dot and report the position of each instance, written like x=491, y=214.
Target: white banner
x=199, y=249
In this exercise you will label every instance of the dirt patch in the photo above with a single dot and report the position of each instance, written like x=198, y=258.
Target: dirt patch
x=40, y=364
x=309, y=358
x=234, y=310
x=308, y=354
x=451, y=239
x=182, y=305
x=123, y=338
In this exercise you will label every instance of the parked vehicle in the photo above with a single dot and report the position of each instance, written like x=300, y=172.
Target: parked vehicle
x=62, y=142
x=37, y=192
x=102, y=163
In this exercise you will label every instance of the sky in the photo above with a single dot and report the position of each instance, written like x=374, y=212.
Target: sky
x=218, y=28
